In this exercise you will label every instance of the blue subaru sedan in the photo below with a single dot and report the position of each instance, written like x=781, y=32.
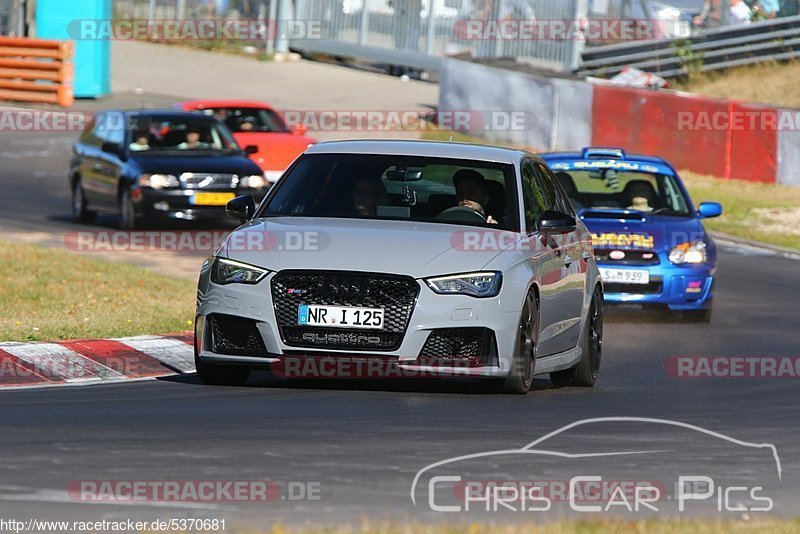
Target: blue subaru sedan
x=649, y=239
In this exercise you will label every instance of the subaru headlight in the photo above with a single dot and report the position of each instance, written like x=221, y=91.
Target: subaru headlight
x=254, y=181
x=227, y=271
x=689, y=252
x=471, y=284
x=159, y=181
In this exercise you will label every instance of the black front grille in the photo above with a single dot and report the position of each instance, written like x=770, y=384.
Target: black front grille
x=235, y=336
x=451, y=346
x=652, y=288
x=632, y=257
x=396, y=295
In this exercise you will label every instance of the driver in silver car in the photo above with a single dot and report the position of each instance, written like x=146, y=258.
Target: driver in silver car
x=471, y=192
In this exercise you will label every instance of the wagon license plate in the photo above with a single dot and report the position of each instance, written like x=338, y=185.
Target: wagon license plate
x=211, y=199
x=625, y=276
x=339, y=316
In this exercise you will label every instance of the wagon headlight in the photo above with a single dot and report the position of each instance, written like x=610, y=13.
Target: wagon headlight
x=471, y=284
x=689, y=252
x=159, y=181
x=255, y=181
x=226, y=271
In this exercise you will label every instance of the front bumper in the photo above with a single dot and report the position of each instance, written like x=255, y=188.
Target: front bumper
x=431, y=312
x=177, y=204
x=681, y=287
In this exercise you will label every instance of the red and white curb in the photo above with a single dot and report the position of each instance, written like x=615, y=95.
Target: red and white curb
x=95, y=360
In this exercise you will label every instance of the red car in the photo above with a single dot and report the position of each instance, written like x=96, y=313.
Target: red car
x=258, y=124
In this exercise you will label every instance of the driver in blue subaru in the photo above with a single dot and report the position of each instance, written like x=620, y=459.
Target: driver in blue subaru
x=649, y=240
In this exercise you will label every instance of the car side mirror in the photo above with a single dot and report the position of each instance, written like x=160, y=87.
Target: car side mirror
x=707, y=210
x=251, y=149
x=242, y=207
x=299, y=129
x=555, y=222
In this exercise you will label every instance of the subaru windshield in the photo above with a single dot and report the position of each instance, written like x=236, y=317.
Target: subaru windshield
x=657, y=194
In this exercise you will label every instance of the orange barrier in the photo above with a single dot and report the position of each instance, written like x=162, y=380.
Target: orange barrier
x=36, y=70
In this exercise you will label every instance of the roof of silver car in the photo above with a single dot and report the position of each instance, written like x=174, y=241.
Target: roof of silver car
x=436, y=149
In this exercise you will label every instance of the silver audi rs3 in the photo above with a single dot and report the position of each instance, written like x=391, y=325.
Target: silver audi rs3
x=429, y=258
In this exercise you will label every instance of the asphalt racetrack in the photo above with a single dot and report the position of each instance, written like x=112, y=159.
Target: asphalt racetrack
x=339, y=451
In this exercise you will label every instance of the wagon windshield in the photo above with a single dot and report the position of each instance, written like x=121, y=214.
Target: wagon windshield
x=398, y=187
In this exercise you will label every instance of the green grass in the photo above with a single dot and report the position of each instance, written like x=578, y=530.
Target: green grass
x=51, y=294
x=762, y=212
x=766, y=83
x=767, y=213
x=654, y=526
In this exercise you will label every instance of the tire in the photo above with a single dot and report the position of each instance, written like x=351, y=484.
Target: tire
x=698, y=316
x=585, y=373
x=520, y=378
x=127, y=215
x=80, y=213
x=220, y=375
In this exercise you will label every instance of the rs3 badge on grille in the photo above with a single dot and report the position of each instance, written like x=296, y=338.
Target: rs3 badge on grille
x=339, y=316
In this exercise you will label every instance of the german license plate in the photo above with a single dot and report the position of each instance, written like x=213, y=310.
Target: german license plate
x=339, y=316
x=211, y=199
x=625, y=276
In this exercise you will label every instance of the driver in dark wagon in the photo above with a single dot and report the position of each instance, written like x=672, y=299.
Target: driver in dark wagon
x=420, y=280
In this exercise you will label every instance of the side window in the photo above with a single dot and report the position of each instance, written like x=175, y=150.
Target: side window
x=561, y=201
x=532, y=196
x=88, y=137
x=548, y=187
x=110, y=128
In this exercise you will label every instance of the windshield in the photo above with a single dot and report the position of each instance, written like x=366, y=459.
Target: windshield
x=411, y=188
x=149, y=134
x=612, y=189
x=241, y=119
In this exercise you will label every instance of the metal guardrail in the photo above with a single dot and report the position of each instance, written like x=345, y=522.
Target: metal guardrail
x=732, y=46
x=419, y=33
x=410, y=33
x=13, y=17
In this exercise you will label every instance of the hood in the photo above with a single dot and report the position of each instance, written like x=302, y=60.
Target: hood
x=665, y=231
x=399, y=247
x=177, y=164
x=276, y=150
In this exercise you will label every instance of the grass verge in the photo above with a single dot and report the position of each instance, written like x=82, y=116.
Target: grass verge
x=768, y=213
x=654, y=526
x=766, y=83
x=50, y=294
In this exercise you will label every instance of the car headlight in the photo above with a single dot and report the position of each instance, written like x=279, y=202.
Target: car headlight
x=227, y=271
x=689, y=252
x=159, y=181
x=471, y=284
x=254, y=181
